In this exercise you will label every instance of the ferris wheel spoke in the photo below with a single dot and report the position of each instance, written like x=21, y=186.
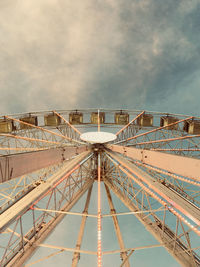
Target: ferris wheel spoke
x=181, y=165
x=66, y=179
x=34, y=196
x=173, y=199
x=122, y=130
x=16, y=165
x=182, y=186
x=157, y=227
x=76, y=255
x=124, y=255
x=163, y=141
x=31, y=141
x=67, y=123
x=154, y=130
x=172, y=140
x=63, y=137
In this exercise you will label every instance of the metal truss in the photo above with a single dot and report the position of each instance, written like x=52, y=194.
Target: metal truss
x=170, y=163
x=16, y=165
x=137, y=194
x=46, y=169
x=60, y=193
x=129, y=130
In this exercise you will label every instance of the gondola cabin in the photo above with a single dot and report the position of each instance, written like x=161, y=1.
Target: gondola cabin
x=76, y=118
x=31, y=120
x=121, y=118
x=94, y=117
x=145, y=120
x=52, y=120
x=6, y=126
x=192, y=126
x=164, y=121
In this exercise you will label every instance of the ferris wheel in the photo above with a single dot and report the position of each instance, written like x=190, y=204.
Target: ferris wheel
x=54, y=161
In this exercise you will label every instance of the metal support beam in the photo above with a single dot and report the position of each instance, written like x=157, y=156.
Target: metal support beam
x=126, y=259
x=117, y=228
x=70, y=125
x=131, y=122
x=16, y=165
x=76, y=256
x=8, y=216
x=43, y=129
x=154, y=130
x=181, y=165
x=44, y=232
x=175, y=200
x=165, y=237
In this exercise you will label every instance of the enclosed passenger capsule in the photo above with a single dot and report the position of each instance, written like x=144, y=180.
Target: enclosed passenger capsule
x=6, y=126
x=52, y=120
x=31, y=120
x=145, y=120
x=192, y=127
x=121, y=118
x=76, y=118
x=164, y=121
x=94, y=117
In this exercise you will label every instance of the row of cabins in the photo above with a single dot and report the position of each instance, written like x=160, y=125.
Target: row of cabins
x=120, y=118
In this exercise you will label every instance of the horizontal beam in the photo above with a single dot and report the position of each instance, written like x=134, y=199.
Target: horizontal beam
x=16, y=165
x=10, y=215
x=133, y=212
x=131, y=249
x=103, y=215
x=68, y=212
x=181, y=165
x=90, y=252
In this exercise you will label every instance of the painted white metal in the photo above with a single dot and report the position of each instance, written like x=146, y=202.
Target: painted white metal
x=19, y=164
x=23, y=204
x=165, y=238
x=32, y=245
x=98, y=137
x=185, y=166
x=172, y=197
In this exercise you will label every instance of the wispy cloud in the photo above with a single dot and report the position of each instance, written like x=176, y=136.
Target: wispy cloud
x=71, y=54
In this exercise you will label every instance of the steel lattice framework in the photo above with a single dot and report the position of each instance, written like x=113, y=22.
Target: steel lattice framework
x=153, y=167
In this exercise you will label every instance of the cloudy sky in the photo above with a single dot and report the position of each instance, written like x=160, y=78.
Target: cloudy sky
x=138, y=54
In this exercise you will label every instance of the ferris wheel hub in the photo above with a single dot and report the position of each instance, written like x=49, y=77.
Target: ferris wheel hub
x=98, y=137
